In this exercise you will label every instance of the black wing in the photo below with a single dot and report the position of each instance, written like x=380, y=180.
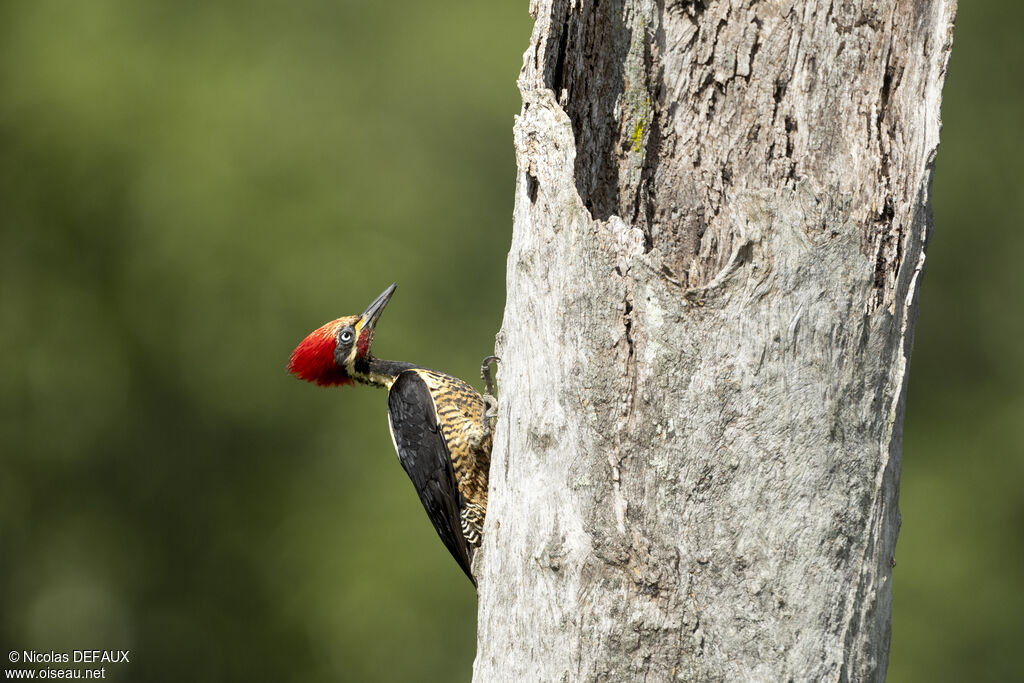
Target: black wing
x=424, y=455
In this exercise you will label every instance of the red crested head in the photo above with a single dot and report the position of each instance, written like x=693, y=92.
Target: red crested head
x=337, y=353
x=314, y=358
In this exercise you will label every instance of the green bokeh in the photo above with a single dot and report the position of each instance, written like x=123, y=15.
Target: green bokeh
x=958, y=584
x=187, y=188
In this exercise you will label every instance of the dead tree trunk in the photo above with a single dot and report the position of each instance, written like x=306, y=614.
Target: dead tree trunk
x=720, y=221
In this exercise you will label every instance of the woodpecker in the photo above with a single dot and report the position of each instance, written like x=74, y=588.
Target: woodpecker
x=440, y=425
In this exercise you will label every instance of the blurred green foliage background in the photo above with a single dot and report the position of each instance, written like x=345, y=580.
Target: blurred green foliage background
x=187, y=188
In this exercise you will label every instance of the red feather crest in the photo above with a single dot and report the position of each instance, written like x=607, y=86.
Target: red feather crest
x=313, y=359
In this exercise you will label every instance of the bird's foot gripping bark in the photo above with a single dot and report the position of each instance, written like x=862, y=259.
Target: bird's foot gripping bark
x=490, y=401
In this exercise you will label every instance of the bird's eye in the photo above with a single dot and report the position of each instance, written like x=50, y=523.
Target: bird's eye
x=345, y=336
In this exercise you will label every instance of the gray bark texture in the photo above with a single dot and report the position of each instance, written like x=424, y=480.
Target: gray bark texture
x=720, y=220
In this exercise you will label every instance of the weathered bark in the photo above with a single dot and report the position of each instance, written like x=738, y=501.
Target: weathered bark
x=720, y=221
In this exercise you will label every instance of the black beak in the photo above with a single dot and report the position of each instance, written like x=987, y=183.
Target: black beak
x=373, y=311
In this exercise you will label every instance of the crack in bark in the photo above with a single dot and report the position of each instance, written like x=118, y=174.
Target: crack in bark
x=628, y=324
x=624, y=426
x=532, y=185
x=558, y=73
x=888, y=232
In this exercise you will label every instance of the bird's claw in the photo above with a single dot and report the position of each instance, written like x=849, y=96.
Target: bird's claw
x=485, y=374
x=490, y=407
